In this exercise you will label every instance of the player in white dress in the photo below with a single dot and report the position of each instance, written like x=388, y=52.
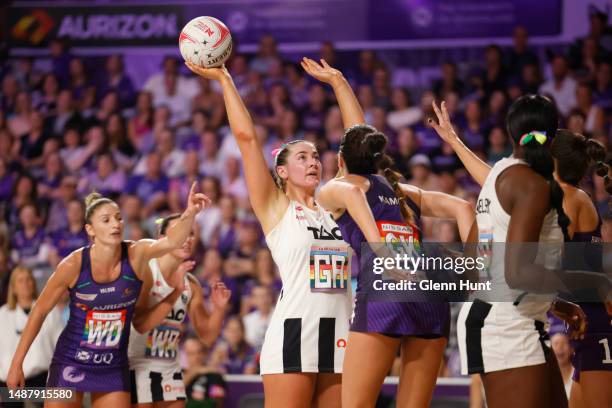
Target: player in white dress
x=156, y=376
x=502, y=334
x=303, y=351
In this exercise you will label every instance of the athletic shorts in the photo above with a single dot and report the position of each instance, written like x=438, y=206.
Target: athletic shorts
x=494, y=337
x=156, y=385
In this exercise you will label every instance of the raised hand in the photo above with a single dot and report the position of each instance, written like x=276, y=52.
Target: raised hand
x=177, y=279
x=196, y=202
x=443, y=126
x=216, y=74
x=220, y=295
x=574, y=317
x=322, y=72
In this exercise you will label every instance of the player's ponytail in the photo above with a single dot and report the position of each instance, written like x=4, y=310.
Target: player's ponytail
x=532, y=123
x=363, y=152
x=575, y=154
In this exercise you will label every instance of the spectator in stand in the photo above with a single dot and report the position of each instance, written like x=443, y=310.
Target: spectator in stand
x=180, y=185
x=173, y=159
x=65, y=240
x=207, y=220
x=209, y=154
x=365, y=72
x=30, y=146
x=498, y=145
x=65, y=116
x=224, y=236
x=240, y=260
x=520, y=55
x=83, y=90
x=426, y=136
x=24, y=192
x=595, y=117
x=407, y=146
x=562, y=87
x=329, y=162
x=45, y=100
x=151, y=187
x=313, y=115
x=266, y=56
x=205, y=388
x=107, y=179
x=10, y=89
x=117, y=80
x=576, y=121
x=5, y=274
x=602, y=86
x=209, y=101
x=495, y=74
x=118, y=140
x=473, y=129
x=298, y=85
x=62, y=195
x=210, y=271
x=382, y=87
x=20, y=122
x=27, y=242
x=7, y=181
x=233, y=182
x=256, y=322
x=531, y=78
x=420, y=169
x=402, y=113
x=232, y=354
x=51, y=178
x=450, y=82
x=22, y=294
x=60, y=58
x=140, y=125
x=172, y=90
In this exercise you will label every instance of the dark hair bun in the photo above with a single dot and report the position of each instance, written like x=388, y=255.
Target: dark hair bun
x=595, y=150
x=375, y=144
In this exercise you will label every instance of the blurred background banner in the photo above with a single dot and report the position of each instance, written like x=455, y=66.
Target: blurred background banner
x=155, y=24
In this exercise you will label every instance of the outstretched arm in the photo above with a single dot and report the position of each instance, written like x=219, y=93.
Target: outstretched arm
x=269, y=203
x=478, y=169
x=208, y=326
x=339, y=194
x=440, y=205
x=147, y=249
x=352, y=114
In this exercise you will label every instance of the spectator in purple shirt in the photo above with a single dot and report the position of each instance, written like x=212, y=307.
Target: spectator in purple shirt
x=28, y=240
x=117, y=80
x=7, y=181
x=66, y=192
x=602, y=86
x=313, y=115
x=106, y=180
x=473, y=129
x=152, y=187
x=210, y=271
x=224, y=236
x=65, y=240
x=52, y=176
x=45, y=100
x=232, y=354
x=179, y=186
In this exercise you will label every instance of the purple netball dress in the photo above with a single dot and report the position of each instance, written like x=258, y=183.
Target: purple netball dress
x=423, y=319
x=91, y=353
x=592, y=353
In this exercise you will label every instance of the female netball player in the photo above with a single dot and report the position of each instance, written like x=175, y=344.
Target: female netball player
x=104, y=281
x=157, y=380
x=303, y=350
x=520, y=202
x=371, y=208
x=574, y=154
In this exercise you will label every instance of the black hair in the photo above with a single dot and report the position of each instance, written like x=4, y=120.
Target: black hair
x=363, y=151
x=537, y=113
x=165, y=223
x=575, y=154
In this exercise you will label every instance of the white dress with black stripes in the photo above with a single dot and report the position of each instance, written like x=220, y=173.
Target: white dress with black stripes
x=505, y=328
x=309, y=327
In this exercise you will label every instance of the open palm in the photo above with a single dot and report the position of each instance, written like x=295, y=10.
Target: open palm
x=322, y=72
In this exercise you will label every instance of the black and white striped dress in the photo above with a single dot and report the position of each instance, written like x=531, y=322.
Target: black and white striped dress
x=309, y=327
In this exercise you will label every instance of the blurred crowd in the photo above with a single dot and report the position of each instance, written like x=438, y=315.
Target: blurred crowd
x=65, y=132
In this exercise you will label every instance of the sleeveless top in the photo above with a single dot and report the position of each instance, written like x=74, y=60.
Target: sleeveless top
x=493, y=222
x=393, y=229
x=98, y=328
x=159, y=347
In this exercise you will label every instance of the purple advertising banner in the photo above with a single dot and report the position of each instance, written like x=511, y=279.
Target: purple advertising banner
x=111, y=24
x=439, y=19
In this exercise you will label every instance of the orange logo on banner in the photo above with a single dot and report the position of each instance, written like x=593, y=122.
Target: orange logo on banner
x=39, y=21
